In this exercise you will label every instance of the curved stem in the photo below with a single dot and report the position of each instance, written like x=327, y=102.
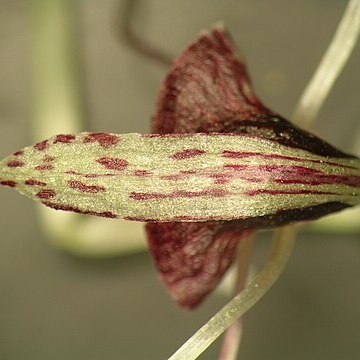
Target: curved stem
x=232, y=337
x=134, y=41
x=199, y=342
x=330, y=66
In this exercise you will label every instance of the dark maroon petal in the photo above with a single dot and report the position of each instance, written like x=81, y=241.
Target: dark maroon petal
x=192, y=259
x=208, y=90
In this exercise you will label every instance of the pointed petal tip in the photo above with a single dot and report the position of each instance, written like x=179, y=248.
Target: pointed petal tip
x=218, y=26
x=211, y=71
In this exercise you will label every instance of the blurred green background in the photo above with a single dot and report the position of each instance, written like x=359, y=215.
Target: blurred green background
x=57, y=306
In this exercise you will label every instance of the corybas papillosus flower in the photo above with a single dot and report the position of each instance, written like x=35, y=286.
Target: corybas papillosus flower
x=218, y=165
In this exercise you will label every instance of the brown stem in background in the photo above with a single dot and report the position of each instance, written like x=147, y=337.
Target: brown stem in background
x=137, y=43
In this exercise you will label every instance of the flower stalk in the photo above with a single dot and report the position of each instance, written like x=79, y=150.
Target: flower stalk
x=279, y=254
x=330, y=66
x=233, y=335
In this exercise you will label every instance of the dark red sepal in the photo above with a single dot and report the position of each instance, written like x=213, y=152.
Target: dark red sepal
x=192, y=259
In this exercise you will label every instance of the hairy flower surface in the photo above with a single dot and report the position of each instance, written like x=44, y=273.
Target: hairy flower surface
x=153, y=178
x=219, y=165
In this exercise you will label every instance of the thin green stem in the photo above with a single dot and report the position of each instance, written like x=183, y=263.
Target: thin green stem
x=199, y=342
x=330, y=66
x=233, y=335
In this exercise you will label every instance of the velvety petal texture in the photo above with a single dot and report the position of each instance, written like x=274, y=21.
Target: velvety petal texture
x=206, y=90
x=192, y=261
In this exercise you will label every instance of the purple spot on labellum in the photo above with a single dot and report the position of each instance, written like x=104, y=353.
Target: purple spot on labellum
x=45, y=194
x=187, y=154
x=44, y=167
x=78, y=185
x=33, y=182
x=64, y=138
x=42, y=145
x=9, y=183
x=113, y=163
x=15, y=163
x=104, y=139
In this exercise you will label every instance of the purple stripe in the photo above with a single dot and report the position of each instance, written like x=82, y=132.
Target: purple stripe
x=187, y=154
x=287, y=192
x=242, y=155
x=178, y=194
x=89, y=175
x=288, y=175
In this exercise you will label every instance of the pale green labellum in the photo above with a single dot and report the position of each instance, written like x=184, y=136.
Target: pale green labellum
x=185, y=177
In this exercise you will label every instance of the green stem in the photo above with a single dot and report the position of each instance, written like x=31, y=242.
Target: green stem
x=57, y=84
x=330, y=66
x=199, y=342
x=233, y=334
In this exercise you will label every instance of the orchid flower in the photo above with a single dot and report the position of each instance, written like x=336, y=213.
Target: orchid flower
x=218, y=166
